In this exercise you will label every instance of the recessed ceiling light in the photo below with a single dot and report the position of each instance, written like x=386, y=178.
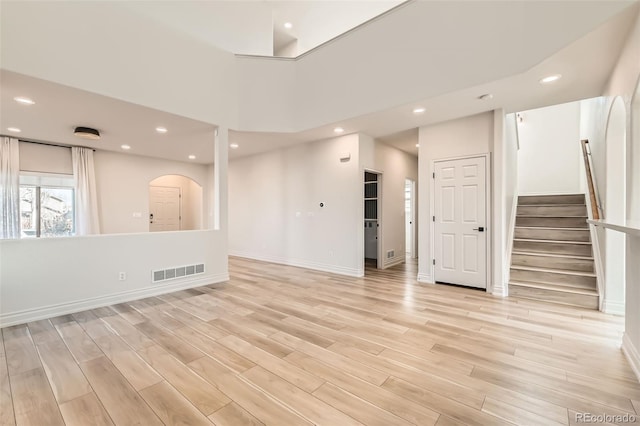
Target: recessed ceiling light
x=417, y=145
x=125, y=147
x=161, y=129
x=192, y=157
x=23, y=100
x=87, y=133
x=551, y=78
x=338, y=130
x=419, y=110
x=234, y=146
x=14, y=129
x=486, y=97
x=288, y=25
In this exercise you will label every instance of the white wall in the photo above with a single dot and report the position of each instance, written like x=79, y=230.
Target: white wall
x=47, y=277
x=45, y=159
x=123, y=55
x=267, y=107
x=456, y=138
x=122, y=182
x=549, y=156
x=274, y=206
x=504, y=186
x=191, y=203
x=615, y=206
x=395, y=166
x=510, y=178
x=593, y=129
x=595, y=121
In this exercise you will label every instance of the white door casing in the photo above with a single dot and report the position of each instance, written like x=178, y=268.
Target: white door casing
x=410, y=218
x=460, y=224
x=164, y=208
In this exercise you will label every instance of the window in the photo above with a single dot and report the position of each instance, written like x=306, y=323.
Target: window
x=46, y=211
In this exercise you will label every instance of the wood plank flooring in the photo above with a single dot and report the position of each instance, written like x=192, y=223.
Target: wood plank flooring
x=278, y=345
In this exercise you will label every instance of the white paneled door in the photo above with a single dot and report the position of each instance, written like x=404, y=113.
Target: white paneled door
x=164, y=208
x=460, y=239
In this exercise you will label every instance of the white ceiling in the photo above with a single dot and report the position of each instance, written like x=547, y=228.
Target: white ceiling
x=585, y=64
x=59, y=109
x=256, y=27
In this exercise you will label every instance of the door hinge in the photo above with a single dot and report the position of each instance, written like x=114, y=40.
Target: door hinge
x=434, y=175
x=434, y=261
x=434, y=218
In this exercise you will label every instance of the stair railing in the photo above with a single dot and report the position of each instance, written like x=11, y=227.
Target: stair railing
x=595, y=211
x=596, y=207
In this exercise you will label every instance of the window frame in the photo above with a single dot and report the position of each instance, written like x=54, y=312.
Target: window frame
x=38, y=181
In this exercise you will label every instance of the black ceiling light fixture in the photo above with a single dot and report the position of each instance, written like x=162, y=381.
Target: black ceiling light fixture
x=87, y=133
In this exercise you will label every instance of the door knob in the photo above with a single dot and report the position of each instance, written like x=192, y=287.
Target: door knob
x=479, y=229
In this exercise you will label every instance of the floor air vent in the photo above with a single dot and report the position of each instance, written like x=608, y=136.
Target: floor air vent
x=179, y=272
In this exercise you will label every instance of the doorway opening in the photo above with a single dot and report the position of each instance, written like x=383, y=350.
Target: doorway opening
x=460, y=216
x=372, y=193
x=175, y=204
x=410, y=218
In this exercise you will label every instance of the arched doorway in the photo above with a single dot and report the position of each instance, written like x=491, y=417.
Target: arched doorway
x=175, y=204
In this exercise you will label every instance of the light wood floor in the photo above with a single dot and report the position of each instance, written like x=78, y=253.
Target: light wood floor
x=284, y=346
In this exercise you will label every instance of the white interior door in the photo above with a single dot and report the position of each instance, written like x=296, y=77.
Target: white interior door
x=460, y=241
x=164, y=208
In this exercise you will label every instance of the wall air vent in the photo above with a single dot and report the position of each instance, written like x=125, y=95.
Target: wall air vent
x=177, y=272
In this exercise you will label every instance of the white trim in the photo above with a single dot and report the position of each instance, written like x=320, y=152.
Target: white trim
x=397, y=260
x=425, y=278
x=413, y=253
x=632, y=354
x=597, y=260
x=28, y=315
x=300, y=263
x=380, y=246
x=597, y=255
x=539, y=194
x=631, y=227
x=488, y=218
x=613, y=307
x=510, y=236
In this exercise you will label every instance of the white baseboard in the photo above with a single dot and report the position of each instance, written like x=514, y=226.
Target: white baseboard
x=35, y=314
x=632, y=354
x=511, y=229
x=317, y=266
x=397, y=260
x=613, y=307
x=425, y=278
x=500, y=291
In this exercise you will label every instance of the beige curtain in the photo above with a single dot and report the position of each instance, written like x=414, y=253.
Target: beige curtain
x=9, y=188
x=87, y=220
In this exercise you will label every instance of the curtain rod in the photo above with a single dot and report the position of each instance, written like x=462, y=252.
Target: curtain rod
x=60, y=145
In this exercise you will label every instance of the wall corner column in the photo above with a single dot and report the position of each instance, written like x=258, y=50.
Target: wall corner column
x=498, y=284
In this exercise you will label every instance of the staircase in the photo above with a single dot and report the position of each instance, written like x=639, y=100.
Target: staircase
x=552, y=260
